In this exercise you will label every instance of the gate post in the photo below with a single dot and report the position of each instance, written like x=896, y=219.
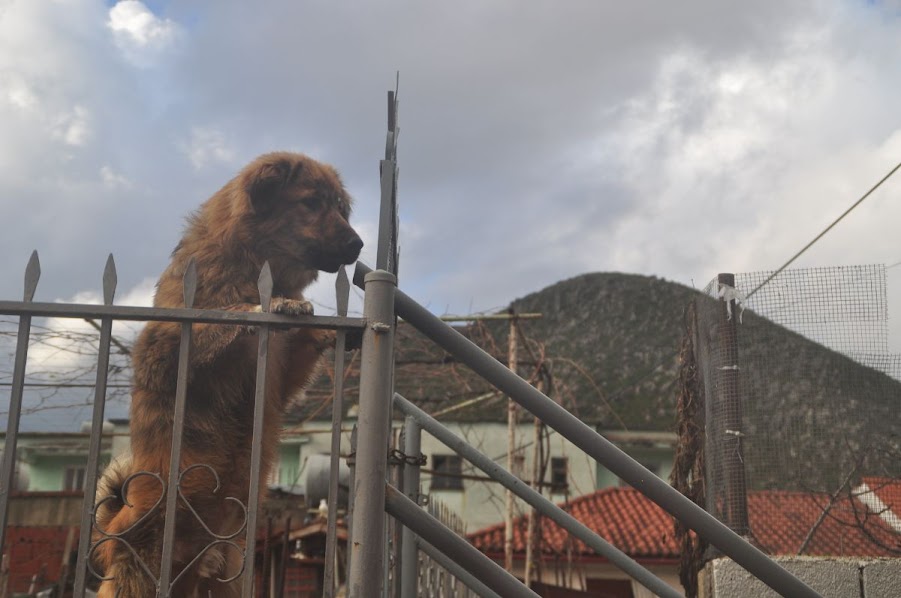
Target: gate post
x=728, y=405
x=368, y=522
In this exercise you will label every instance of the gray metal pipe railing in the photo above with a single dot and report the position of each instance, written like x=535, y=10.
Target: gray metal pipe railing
x=465, y=554
x=535, y=499
x=468, y=579
x=368, y=540
x=598, y=447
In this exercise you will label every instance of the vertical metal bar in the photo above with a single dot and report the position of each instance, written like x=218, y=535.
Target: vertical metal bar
x=375, y=412
x=392, y=547
x=386, y=218
x=32, y=275
x=409, y=562
x=178, y=424
x=728, y=398
x=265, y=590
x=446, y=541
x=256, y=453
x=386, y=256
x=342, y=289
x=531, y=549
x=283, y=571
x=91, y=474
x=351, y=484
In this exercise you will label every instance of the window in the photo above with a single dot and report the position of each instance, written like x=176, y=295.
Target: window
x=519, y=465
x=447, y=472
x=74, y=478
x=559, y=474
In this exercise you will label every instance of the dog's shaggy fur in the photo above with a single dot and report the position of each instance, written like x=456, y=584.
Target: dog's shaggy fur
x=292, y=211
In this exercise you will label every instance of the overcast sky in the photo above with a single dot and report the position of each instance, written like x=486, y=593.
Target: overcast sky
x=539, y=140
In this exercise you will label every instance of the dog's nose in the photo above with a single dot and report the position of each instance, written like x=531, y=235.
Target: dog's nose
x=353, y=247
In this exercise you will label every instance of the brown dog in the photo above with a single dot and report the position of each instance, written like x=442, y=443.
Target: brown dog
x=292, y=211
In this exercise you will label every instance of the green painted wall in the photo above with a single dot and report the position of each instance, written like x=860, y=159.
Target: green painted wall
x=288, y=472
x=47, y=473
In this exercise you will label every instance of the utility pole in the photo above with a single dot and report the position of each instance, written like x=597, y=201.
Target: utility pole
x=512, y=416
x=511, y=450
x=537, y=479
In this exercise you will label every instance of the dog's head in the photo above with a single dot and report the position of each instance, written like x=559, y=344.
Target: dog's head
x=299, y=213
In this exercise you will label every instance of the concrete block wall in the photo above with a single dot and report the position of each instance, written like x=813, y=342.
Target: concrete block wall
x=831, y=577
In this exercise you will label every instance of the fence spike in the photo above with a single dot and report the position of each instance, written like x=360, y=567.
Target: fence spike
x=190, y=282
x=110, y=280
x=32, y=275
x=264, y=284
x=342, y=290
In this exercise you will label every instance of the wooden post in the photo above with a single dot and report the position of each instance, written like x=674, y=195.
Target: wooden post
x=728, y=395
x=511, y=451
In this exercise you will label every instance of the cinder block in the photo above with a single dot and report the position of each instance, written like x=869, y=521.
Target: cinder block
x=882, y=578
x=833, y=578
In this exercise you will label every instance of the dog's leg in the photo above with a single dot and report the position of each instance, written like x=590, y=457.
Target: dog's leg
x=156, y=349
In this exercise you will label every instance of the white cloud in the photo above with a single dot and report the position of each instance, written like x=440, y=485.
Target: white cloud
x=208, y=145
x=18, y=93
x=67, y=346
x=73, y=126
x=139, y=33
x=112, y=179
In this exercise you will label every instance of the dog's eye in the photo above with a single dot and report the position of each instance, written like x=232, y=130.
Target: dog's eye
x=314, y=202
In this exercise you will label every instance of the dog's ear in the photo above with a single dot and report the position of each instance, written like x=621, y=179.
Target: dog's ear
x=264, y=183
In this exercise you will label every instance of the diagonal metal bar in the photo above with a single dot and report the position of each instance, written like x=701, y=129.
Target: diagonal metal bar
x=536, y=500
x=91, y=474
x=256, y=452
x=178, y=425
x=8, y=470
x=598, y=447
x=468, y=556
x=342, y=290
x=468, y=579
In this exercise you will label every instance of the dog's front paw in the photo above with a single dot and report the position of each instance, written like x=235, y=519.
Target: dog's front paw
x=291, y=307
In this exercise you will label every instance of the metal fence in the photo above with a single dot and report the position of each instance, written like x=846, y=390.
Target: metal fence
x=383, y=560
x=801, y=402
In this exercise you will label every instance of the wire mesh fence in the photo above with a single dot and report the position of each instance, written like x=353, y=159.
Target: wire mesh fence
x=801, y=402
x=434, y=581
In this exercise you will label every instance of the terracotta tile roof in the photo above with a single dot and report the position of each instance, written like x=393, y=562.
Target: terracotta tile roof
x=780, y=521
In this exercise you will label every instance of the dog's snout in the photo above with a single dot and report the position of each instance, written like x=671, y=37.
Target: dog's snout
x=352, y=248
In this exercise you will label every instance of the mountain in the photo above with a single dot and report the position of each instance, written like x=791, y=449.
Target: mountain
x=610, y=342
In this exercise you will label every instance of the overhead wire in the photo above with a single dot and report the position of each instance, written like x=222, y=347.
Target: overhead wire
x=826, y=230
